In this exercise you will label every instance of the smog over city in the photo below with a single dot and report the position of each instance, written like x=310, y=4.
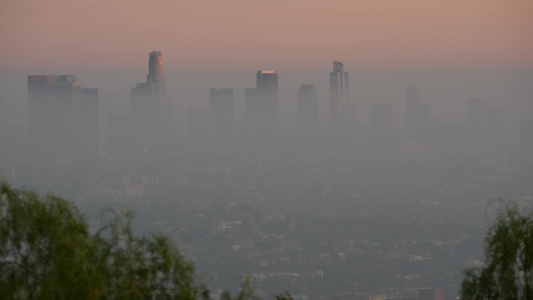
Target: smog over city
x=327, y=149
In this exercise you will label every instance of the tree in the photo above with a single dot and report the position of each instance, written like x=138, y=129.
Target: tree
x=508, y=269
x=47, y=252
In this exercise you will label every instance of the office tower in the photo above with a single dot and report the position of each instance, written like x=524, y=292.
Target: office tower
x=201, y=129
x=155, y=77
x=52, y=103
x=148, y=100
x=339, y=96
x=417, y=117
x=267, y=87
x=381, y=120
x=221, y=100
x=261, y=109
x=151, y=110
x=478, y=120
x=307, y=112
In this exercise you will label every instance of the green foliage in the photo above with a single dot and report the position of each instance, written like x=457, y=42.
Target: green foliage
x=41, y=246
x=508, y=269
x=46, y=252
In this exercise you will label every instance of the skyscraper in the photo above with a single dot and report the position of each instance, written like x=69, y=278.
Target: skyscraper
x=221, y=100
x=155, y=77
x=59, y=113
x=147, y=99
x=151, y=109
x=307, y=112
x=267, y=87
x=261, y=109
x=339, y=97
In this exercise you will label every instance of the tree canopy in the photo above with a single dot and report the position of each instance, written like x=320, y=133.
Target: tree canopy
x=507, y=272
x=48, y=252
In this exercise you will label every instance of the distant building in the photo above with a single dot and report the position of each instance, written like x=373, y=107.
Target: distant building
x=261, y=109
x=151, y=109
x=307, y=112
x=339, y=97
x=221, y=100
x=155, y=78
x=148, y=99
x=60, y=114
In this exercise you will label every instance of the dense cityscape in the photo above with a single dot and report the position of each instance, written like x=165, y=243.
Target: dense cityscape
x=352, y=211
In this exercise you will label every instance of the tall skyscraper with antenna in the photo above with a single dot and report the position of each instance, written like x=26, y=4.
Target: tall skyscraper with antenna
x=151, y=110
x=339, y=97
x=146, y=97
x=155, y=77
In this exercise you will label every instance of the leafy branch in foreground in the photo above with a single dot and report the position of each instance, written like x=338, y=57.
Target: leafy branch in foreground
x=47, y=252
x=508, y=269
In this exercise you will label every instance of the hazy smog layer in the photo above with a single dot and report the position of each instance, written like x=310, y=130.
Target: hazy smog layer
x=359, y=168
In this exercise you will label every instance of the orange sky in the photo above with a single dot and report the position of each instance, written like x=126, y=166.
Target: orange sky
x=251, y=34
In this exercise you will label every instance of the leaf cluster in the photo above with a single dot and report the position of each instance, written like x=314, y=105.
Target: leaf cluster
x=47, y=252
x=508, y=269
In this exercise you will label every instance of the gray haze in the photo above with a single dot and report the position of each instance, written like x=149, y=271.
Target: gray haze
x=258, y=180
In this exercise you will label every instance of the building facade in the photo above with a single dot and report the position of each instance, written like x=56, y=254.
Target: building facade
x=339, y=98
x=62, y=117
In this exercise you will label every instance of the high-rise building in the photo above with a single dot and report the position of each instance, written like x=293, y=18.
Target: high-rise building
x=155, y=77
x=54, y=103
x=339, y=97
x=62, y=117
x=261, y=109
x=221, y=100
x=307, y=112
x=151, y=110
x=148, y=100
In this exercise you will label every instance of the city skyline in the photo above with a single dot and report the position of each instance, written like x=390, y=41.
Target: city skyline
x=342, y=149
x=154, y=89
